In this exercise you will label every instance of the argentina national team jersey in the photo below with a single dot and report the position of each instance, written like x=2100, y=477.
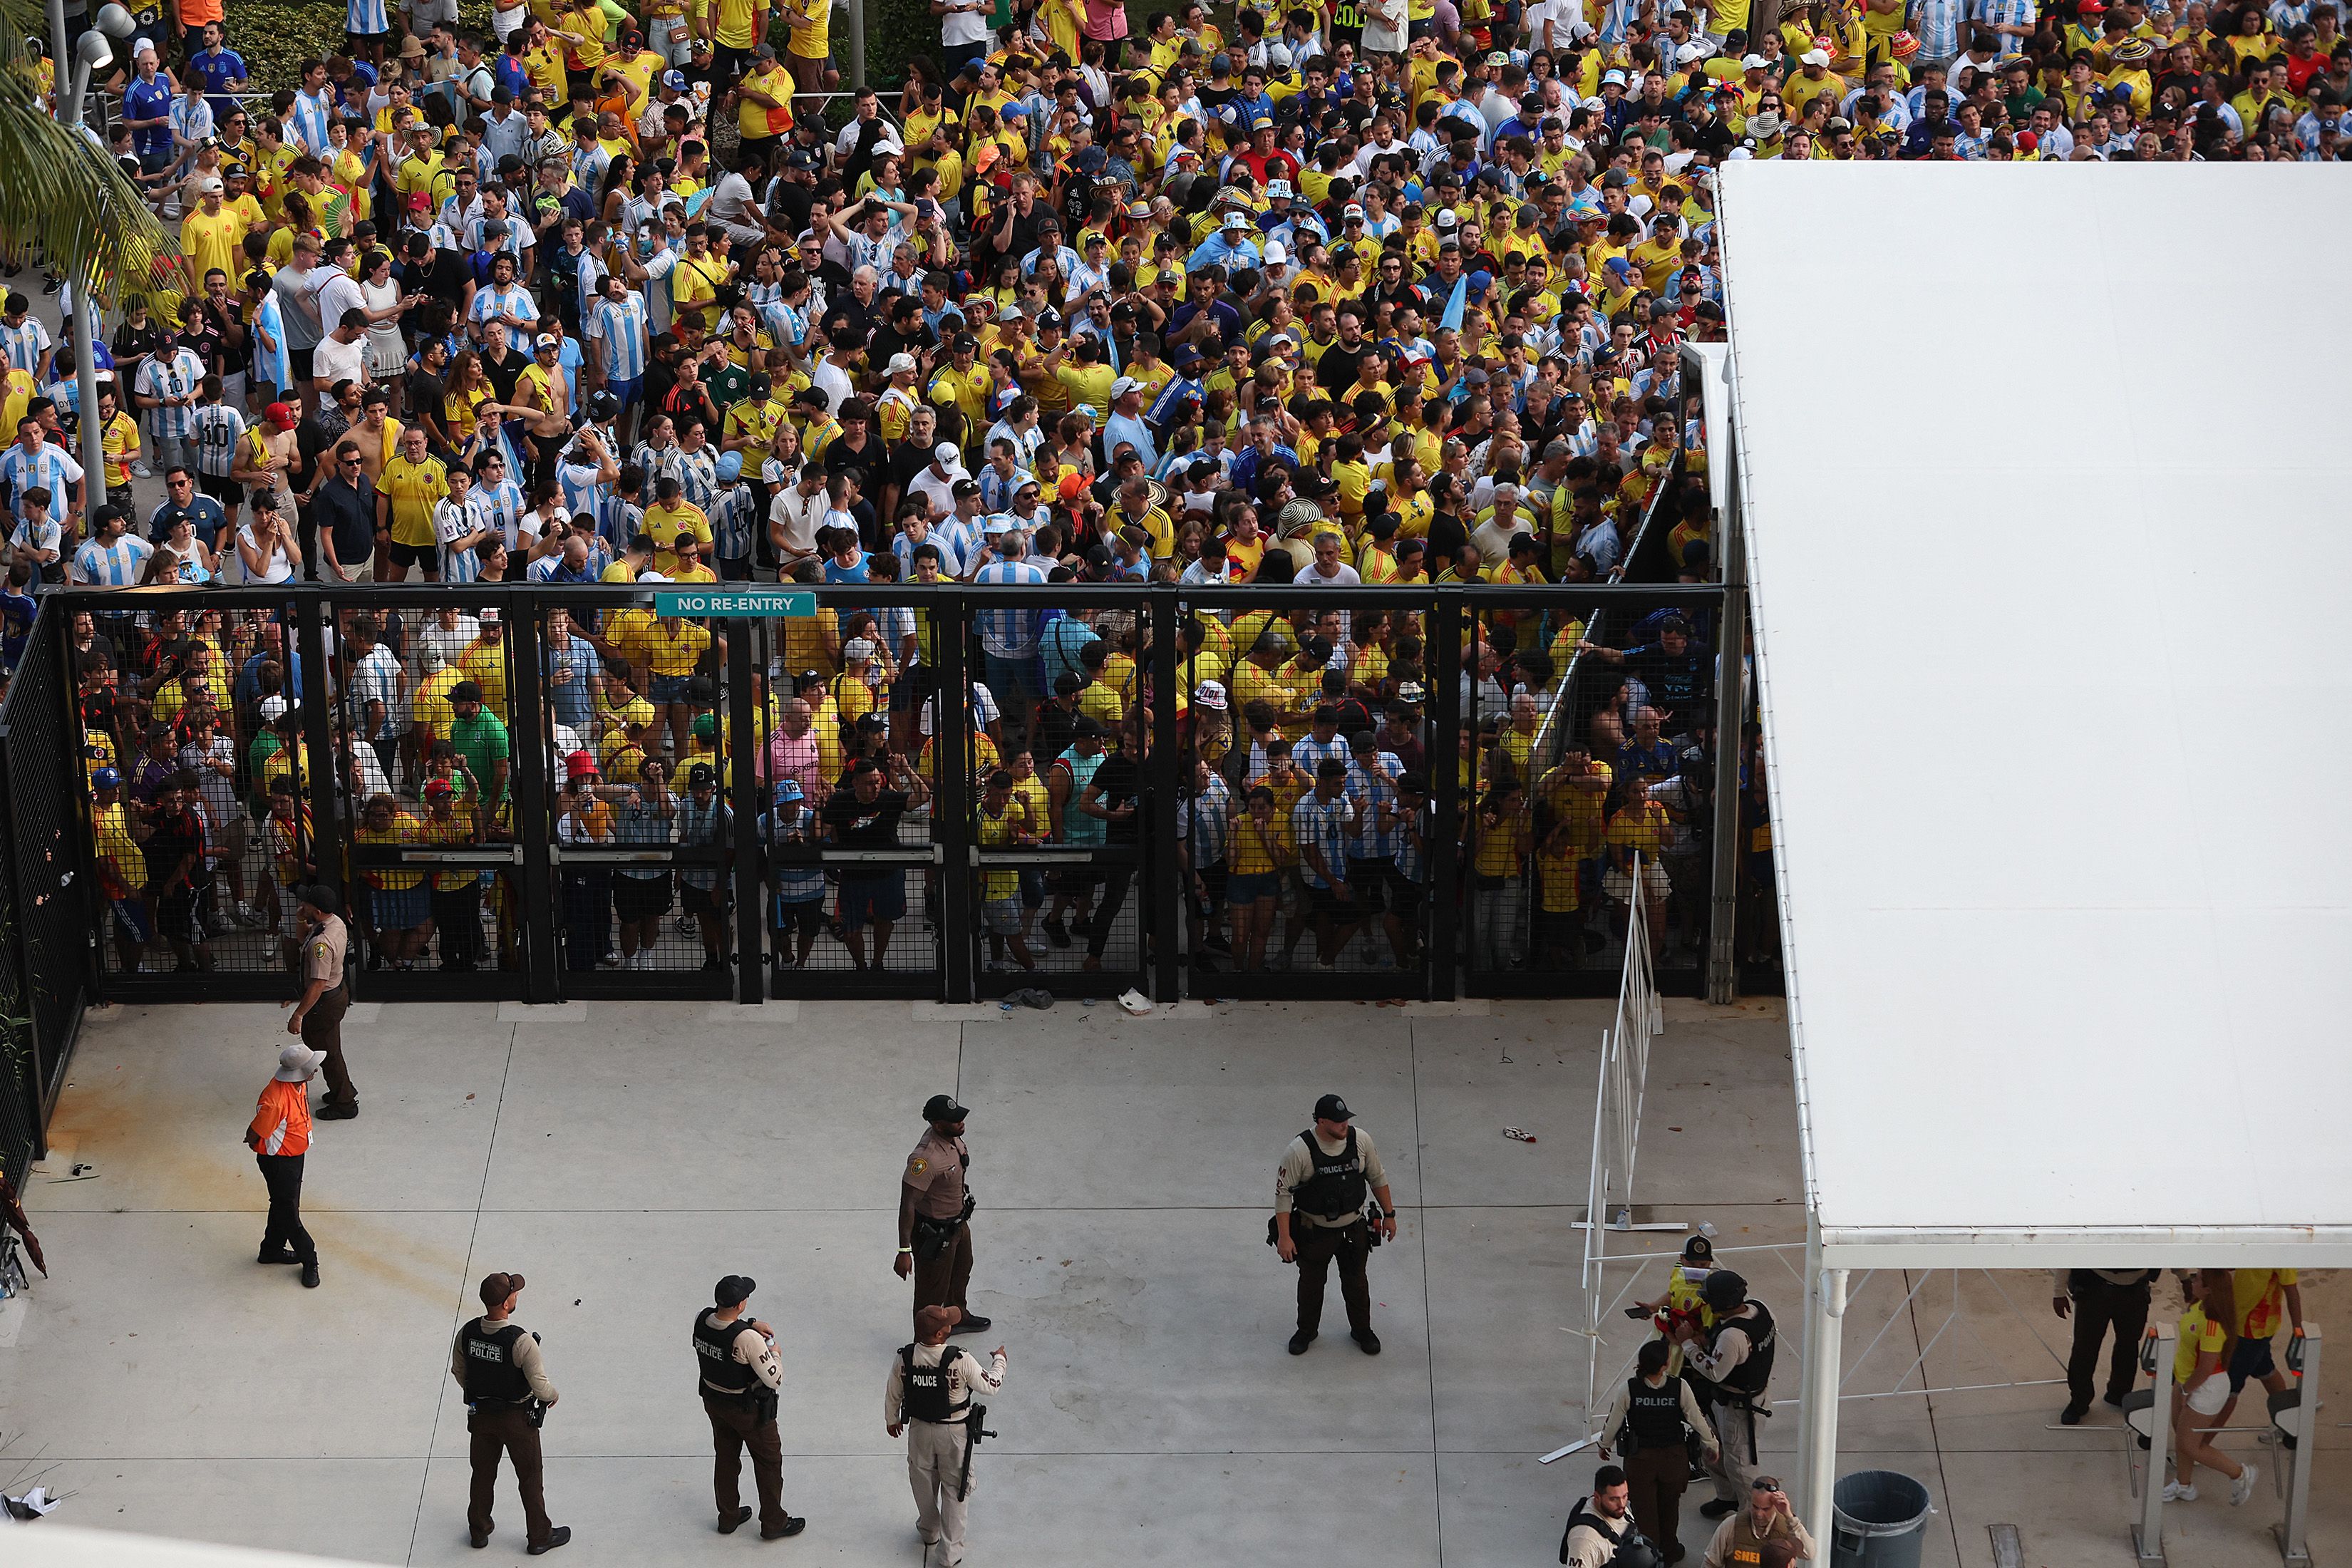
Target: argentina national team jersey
x=734, y=521
x=24, y=344
x=51, y=468
x=366, y=17
x=498, y=508
x=620, y=328
x=216, y=428
x=454, y=521
x=698, y=474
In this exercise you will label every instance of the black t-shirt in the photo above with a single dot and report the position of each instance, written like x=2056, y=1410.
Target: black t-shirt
x=856, y=825
x=1024, y=240
x=1446, y=538
x=848, y=323
x=444, y=277
x=907, y=459
x=866, y=461
x=1119, y=780
x=503, y=374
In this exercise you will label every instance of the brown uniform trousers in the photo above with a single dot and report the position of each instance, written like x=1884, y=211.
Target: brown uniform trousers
x=506, y=1430
x=737, y=1425
x=1318, y=1245
x=322, y=1030
x=944, y=1280
x=1659, y=1477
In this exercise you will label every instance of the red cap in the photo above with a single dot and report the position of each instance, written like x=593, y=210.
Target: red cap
x=437, y=789
x=579, y=765
x=282, y=416
x=2026, y=141
x=418, y=201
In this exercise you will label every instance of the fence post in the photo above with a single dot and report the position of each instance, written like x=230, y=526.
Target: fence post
x=743, y=749
x=1444, y=670
x=1158, y=855
x=953, y=750
x=543, y=959
x=83, y=822
x=1730, y=745
x=311, y=612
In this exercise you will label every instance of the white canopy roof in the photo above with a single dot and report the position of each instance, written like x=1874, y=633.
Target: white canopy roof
x=2045, y=471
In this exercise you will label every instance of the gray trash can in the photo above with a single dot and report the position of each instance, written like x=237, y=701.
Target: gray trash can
x=1882, y=1521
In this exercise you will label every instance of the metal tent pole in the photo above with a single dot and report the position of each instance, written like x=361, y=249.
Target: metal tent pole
x=2147, y=1535
x=1824, y=1330
x=2294, y=1550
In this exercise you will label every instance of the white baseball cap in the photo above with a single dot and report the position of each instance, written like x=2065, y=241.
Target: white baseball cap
x=902, y=365
x=1814, y=58
x=946, y=452
x=1275, y=255
x=1123, y=386
x=1755, y=63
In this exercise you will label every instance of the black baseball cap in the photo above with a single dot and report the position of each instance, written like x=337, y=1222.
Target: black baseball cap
x=733, y=1290
x=1332, y=1107
x=943, y=1107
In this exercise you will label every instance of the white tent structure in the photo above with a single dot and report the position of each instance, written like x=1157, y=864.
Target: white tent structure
x=2042, y=470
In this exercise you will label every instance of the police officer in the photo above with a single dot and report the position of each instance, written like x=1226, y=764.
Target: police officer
x=735, y=1357
x=1319, y=1216
x=318, y=1012
x=1650, y=1422
x=496, y=1363
x=1730, y=1364
x=2102, y=1299
x=935, y=1217
x=1600, y=1532
x=928, y=1397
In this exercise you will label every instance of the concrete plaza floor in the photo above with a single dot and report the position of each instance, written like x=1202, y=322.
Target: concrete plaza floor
x=624, y=1156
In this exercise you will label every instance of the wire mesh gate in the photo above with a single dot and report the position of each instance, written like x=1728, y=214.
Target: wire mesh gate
x=942, y=792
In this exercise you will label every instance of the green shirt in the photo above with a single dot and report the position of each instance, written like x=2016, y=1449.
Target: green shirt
x=482, y=741
x=729, y=387
x=265, y=746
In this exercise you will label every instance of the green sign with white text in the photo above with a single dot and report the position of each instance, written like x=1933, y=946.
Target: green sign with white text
x=790, y=603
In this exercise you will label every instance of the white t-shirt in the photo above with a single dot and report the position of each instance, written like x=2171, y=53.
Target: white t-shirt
x=332, y=361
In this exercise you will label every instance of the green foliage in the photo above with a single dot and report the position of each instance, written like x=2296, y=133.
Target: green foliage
x=277, y=36
x=896, y=32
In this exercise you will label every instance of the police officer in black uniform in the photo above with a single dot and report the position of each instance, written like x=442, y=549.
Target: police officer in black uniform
x=496, y=1361
x=738, y=1374
x=1320, y=1216
x=1650, y=1424
x=1730, y=1365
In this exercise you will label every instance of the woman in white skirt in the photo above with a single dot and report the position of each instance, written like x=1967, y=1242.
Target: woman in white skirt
x=388, y=355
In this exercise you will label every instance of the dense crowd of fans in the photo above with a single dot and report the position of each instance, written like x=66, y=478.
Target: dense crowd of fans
x=1388, y=293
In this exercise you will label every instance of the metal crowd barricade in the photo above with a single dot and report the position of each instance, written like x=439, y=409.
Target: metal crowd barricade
x=532, y=858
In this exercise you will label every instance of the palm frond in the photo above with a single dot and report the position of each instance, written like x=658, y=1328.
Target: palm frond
x=62, y=192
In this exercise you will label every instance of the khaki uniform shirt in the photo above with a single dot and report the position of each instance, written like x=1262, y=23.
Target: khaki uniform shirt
x=1736, y=1544
x=323, y=948
x=527, y=1359
x=752, y=1349
x=1297, y=1168
x=935, y=1170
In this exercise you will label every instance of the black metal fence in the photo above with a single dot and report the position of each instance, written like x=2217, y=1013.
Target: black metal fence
x=541, y=792
x=44, y=912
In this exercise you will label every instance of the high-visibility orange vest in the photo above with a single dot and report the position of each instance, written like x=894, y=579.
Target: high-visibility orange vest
x=281, y=1119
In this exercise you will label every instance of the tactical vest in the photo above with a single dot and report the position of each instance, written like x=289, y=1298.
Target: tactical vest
x=491, y=1375
x=1751, y=1376
x=1617, y=1533
x=1654, y=1417
x=1336, y=1190
x=714, y=1351
x=927, y=1397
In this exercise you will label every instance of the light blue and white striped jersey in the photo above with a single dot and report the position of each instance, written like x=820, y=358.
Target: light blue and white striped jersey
x=366, y=17
x=1309, y=753
x=454, y=521
x=25, y=343
x=51, y=468
x=274, y=366
x=657, y=463
x=904, y=548
x=216, y=428
x=1937, y=25
x=997, y=491
x=1009, y=633
x=191, y=118
x=1412, y=859
x=1370, y=791
x=794, y=884
x=309, y=120
x=1324, y=825
x=581, y=490
x=498, y=506
x=116, y=566
x=516, y=302
x=616, y=519
x=735, y=522
x=698, y=474
x=959, y=541
x=2007, y=14
x=174, y=374
x=1206, y=822
x=620, y=328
